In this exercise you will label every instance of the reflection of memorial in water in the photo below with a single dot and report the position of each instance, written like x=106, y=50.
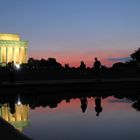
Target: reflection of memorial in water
x=19, y=119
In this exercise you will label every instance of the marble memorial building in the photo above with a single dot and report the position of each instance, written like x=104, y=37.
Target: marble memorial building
x=12, y=49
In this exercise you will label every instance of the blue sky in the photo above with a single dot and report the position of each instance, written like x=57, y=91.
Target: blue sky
x=74, y=30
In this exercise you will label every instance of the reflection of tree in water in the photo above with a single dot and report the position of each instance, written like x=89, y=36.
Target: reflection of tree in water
x=68, y=100
x=136, y=104
x=53, y=100
x=98, y=107
x=84, y=103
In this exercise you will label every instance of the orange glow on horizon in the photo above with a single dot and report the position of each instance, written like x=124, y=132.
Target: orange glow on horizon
x=108, y=104
x=74, y=58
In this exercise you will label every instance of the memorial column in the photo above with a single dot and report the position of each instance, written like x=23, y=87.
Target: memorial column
x=6, y=54
x=0, y=56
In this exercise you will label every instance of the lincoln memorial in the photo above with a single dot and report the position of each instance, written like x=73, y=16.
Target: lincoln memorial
x=12, y=49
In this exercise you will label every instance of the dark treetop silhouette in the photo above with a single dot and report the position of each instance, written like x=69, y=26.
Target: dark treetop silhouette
x=51, y=69
x=53, y=100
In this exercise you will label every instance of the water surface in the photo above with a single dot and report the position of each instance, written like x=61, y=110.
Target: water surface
x=78, y=118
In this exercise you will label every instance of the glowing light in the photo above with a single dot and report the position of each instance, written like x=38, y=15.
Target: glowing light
x=17, y=66
x=19, y=102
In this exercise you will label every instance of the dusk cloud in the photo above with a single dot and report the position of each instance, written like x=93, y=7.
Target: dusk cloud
x=122, y=59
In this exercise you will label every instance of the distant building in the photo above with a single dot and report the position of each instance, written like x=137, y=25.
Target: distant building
x=12, y=49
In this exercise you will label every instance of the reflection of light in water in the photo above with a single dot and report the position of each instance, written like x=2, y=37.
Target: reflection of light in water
x=19, y=102
x=19, y=119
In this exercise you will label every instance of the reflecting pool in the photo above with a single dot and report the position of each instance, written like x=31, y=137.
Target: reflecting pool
x=76, y=118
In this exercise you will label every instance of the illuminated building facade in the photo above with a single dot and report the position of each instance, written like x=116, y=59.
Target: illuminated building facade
x=12, y=49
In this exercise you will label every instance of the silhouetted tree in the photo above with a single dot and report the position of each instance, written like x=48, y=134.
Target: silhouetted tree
x=136, y=104
x=82, y=66
x=136, y=55
x=84, y=103
x=42, y=63
x=131, y=64
x=67, y=66
x=31, y=60
x=49, y=63
x=118, y=66
x=52, y=63
x=32, y=63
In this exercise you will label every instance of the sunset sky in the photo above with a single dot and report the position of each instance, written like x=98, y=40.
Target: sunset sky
x=75, y=30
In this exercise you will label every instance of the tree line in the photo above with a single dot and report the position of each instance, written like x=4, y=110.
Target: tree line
x=50, y=68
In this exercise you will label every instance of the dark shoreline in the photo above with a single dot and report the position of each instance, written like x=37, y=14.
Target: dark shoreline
x=70, y=86
x=9, y=132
